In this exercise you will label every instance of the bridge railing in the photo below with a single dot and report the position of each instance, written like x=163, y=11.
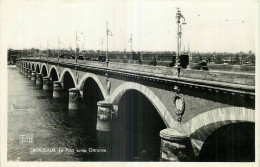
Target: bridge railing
x=247, y=79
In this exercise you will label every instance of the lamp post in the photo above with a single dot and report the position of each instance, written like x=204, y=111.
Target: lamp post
x=107, y=45
x=109, y=33
x=180, y=21
x=131, y=46
x=108, y=83
x=59, y=48
x=76, y=56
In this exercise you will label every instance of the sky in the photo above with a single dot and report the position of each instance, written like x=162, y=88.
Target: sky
x=212, y=25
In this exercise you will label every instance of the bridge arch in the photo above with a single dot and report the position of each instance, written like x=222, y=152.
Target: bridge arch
x=29, y=64
x=53, y=68
x=96, y=79
x=53, y=73
x=204, y=125
x=157, y=103
x=140, y=116
x=92, y=92
x=44, y=70
x=67, y=70
x=38, y=68
x=33, y=66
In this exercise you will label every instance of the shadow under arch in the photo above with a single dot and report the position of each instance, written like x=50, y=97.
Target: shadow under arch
x=210, y=123
x=53, y=74
x=159, y=106
x=97, y=81
x=37, y=68
x=33, y=67
x=234, y=142
x=140, y=118
x=44, y=71
x=91, y=95
x=136, y=127
x=67, y=72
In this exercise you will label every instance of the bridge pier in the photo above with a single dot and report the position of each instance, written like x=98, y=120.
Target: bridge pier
x=26, y=72
x=29, y=73
x=74, y=101
x=21, y=69
x=104, y=126
x=47, y=85
x=104, y=114
x=175, y=146
x=57, y=89
x=33, y=76
x=38, y=79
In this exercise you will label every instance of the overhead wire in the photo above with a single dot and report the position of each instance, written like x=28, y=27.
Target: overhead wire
x=227, y=20
x=213, y=25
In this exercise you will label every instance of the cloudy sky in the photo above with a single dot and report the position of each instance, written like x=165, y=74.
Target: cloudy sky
x=212, y=25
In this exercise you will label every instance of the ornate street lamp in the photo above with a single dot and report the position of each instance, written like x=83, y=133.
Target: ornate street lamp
x=180, y=21
x=77, y=48
x=108, y=83
x=109, y=33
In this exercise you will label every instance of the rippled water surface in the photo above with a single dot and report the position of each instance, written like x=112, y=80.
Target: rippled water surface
x=34, y=114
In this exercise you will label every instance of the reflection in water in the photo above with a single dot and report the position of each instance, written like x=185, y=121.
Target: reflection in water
x=33, y=111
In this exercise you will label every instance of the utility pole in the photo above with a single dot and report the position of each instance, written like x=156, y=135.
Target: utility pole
x=179, y=16
x=76, y=47
x=83, y=41
x=109, y=33
x=69, y=52
x=59, y=52
x=190, y=56
x=131, y=41
x=107, y=44
x=58, y=48
x=108, y=83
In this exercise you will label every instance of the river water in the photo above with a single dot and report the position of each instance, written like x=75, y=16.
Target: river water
x=39, y=128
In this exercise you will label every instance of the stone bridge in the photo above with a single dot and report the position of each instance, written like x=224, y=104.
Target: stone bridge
x=196, y=108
